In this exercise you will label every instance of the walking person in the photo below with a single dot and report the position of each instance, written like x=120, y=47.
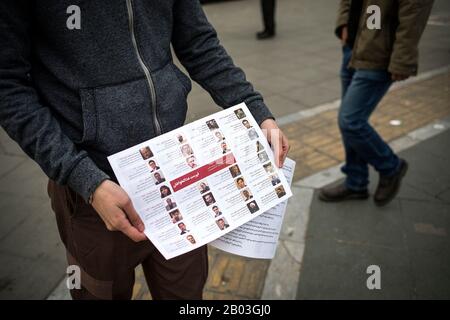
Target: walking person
x=268, y=13
x=373, y=58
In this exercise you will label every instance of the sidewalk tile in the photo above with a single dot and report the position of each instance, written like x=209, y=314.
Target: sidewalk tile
x=358, y=222
x=338, y=270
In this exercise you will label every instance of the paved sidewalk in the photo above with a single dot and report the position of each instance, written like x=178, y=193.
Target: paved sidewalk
x=409, y=239
x=316, y=145
x=296, y=72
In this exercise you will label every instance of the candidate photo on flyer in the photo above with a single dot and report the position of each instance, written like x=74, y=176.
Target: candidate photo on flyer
x=234, y=170
x=222, y=223
x=239, y=113
x=252, y=206
x=159, y=178
x=146, y=153
x=209, y=199
x=176, y=216
x=191, y=162
x=153, y=166
x=164, y=191
x=203, y=187
x=181, y=138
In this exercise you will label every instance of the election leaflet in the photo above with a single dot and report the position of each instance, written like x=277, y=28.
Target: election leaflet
x=192, y=185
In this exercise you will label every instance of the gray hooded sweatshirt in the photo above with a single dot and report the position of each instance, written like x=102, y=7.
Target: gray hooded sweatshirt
x=81, y=80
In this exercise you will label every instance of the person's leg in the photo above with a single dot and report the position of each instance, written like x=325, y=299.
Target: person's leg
x=351, y=156
x=182, y=277
x=106, y=259
x=268, y=8
x=341, y=191
x=268, y=13
x=362, y=96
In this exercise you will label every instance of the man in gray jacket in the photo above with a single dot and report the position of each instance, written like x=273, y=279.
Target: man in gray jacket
x=82, y=80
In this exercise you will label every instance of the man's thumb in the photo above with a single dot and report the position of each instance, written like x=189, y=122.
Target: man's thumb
x=133, y=216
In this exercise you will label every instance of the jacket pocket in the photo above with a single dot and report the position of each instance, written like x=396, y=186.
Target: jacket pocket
x=172, y=87
x=116, y=117
x=184, y=79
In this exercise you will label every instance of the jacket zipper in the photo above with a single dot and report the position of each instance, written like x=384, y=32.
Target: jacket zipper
x=150, y=83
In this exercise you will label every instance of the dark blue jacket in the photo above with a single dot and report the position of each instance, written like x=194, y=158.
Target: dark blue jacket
x=71, y=97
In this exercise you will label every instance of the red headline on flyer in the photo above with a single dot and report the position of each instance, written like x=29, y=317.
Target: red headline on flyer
x=202, y=172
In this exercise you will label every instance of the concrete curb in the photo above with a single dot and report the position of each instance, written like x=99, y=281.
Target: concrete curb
x=283, y=275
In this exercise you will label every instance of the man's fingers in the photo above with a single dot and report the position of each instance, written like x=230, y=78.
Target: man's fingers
x=344, y=36
x=123, y=225
x=120, y=222
x=117, y=212
x=277, y=140
x=131, y=232
x=285, y=149
x=132, y=227
x=279, y=153
x=277, y=145
x=133, y=216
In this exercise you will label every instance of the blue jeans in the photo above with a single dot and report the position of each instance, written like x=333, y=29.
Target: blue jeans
x=362, y=90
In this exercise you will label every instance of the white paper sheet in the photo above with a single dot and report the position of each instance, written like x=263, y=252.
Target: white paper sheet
x=258, y=238
x=222, y=161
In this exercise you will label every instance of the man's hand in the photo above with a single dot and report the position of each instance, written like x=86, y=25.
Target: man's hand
x=115, y=208
x=344, y=35
x=399, y=77
x=277, y=140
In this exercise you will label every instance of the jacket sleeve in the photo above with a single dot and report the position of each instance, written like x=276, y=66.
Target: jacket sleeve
x=412, y=17
x=197, y=46
x=25, y=118
x=342, y=18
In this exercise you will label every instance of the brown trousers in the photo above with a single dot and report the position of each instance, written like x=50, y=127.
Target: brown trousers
x=107, y=259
